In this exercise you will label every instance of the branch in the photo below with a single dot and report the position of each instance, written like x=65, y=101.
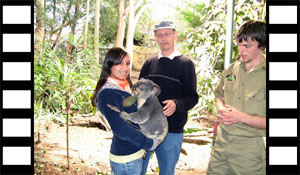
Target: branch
x=61, y=27
x=136, y=5
x=64, y=20
x=196, y=141
x=139, y=14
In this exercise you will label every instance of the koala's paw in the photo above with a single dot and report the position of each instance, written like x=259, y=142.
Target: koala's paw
x=124, y=115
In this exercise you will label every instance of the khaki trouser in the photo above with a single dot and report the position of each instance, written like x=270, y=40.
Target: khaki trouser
x=236, y=155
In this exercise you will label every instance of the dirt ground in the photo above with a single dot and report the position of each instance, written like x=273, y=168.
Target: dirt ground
x=89, y=151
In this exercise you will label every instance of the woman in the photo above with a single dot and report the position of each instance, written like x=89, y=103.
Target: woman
x=128, y=144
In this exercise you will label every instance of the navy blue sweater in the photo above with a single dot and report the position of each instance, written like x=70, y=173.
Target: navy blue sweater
x=177, y=80
x=126, y=138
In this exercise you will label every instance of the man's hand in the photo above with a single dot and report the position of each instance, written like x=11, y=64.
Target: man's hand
x=229, y=115
x=169, y=108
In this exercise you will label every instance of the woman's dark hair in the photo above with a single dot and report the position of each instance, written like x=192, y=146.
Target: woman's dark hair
x=255, y=30
x=113, y=57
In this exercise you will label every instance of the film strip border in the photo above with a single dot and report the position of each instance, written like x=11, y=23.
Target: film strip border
x=16, y=86
x=283, y=87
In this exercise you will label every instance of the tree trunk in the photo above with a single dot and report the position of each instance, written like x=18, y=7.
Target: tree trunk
x=130, y=31
x=40, y=29
x=86, y=24
x=53, y=15
x=67, y=130
x=70, y=47
x=121, y=24
x=61, y=27
x=96, y=31
x=132, y=24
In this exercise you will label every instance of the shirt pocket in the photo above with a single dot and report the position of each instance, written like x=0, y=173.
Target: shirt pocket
x=256, y=103
x=229, y=89
x=229, y=86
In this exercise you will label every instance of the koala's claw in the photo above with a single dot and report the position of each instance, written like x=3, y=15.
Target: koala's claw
x=124, y=114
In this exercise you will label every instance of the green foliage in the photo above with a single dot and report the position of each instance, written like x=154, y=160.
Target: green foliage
x=56, y=11
x=53, y=78
x=206, y=39
x=191, y=130
x=109, y=11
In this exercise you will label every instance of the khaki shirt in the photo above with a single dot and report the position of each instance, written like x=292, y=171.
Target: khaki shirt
x=246, y=91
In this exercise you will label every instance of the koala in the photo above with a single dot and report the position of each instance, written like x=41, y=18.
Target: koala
x=153, y=123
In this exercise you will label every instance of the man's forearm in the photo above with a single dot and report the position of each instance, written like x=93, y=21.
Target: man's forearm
x=253, y=121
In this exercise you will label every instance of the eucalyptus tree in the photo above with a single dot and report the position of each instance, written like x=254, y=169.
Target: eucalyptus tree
x=121, y=24
x=86, y=25
x=40, y=28
x=96, y=30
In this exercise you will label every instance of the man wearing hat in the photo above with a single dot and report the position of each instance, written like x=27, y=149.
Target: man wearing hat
x=175, y=74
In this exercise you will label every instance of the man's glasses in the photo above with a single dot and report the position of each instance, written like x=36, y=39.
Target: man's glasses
x=161, y=35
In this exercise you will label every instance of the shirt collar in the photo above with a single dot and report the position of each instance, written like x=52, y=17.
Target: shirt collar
x=262, y=65
x=172, y=56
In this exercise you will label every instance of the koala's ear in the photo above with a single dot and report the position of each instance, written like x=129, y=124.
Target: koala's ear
x=156, y=90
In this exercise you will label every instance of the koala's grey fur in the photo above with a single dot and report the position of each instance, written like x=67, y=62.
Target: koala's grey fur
x=153, y=123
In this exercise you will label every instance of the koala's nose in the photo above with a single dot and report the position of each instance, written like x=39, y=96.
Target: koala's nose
x=134, y=86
